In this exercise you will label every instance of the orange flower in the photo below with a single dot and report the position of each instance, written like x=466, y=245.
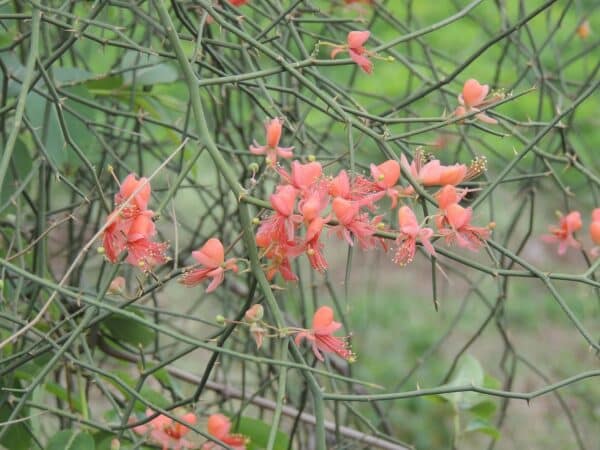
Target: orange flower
x=272, y=149
x=356, y=50
x=219, y=426
x=212, y=256
x=563, y=234
x=321, y=336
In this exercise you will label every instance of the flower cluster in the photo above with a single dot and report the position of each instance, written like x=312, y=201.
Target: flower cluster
x=306, y=202
x=568, y=225
x=130, y=227
x=169, y=434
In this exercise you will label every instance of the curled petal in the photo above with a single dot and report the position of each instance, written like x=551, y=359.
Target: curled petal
x=356, y=39
x=363, y=62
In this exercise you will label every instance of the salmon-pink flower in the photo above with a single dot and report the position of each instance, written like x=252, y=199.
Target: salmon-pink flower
x=302, y=176
x=114, y=240
x=410, y=232
x=455, y=226
x=238, y=3
x=339, y=186
x=595, y=226
x=433, y=173
x=321, y=336
x=354, y=46
x=219, y=426
x=167, y=433
x=272, y=149
x=142, y=251
x=353, y=223
x=386, y=176
x=449, y=195
x=140, y=200
x=473, y=97
x=130, y=226
x=211, y=256
x=563, y=234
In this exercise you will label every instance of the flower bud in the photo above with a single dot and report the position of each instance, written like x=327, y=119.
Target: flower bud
x=253, y=167
x=115, y=444
x=101, y=250
x=258, y=333
x=220, y=319
x=311, y=158
x=117, y=285
x=254, y=313
x=255, y=221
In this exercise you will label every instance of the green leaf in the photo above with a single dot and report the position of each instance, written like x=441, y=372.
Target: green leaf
x=71, y=440
x=128, y=330
x=469, y=372
x=104, y=85
x=258, y=432
x=60, y=392
x=484, y=409
x=17, y=436
x=21, y=161
x=151, y=71
x=482, y=426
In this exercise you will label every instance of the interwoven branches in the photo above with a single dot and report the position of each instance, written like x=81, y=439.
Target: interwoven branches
x=381, y=104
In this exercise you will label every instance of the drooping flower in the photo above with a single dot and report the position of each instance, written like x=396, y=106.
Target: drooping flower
x=311, y=208
x=141, y=250
x=321, y=336
x=472, y=98
x=114, y=240
x=563, y=234
x=129, y=227
x=455, y=226
x=410, y=232
x=211, y=256
x=354, y=46
x=271, y=149
x=166, y=432
x=219, y=426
